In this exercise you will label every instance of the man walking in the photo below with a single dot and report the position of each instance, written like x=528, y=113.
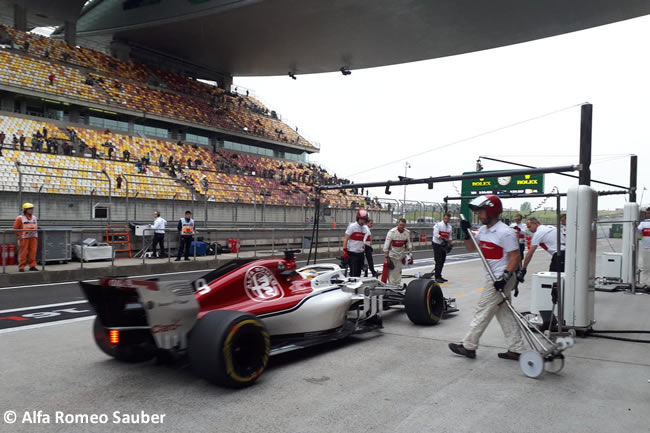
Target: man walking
x=441, y=244
x=545, y=237
x=500, y=247
x=26, y=228
x=186, y=230
x=158, y=227
x=353, y=243
x=396, y=246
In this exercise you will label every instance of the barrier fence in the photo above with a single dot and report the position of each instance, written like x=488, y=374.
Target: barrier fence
x=57, y=244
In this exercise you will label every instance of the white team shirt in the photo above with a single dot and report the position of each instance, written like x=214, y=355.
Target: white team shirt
x=397, y=244
x=546, y=237
x=368, y=239
x=496, y=242
x=441, y=231
x=520, y=230
x=358, y=234
x=158, y=225
x=644, y=229
x=563, y=236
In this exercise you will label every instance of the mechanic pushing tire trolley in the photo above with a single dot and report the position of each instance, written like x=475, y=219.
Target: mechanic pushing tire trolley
x=498, y=249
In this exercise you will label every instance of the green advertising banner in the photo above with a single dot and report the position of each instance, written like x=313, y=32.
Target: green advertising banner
x=522, y=184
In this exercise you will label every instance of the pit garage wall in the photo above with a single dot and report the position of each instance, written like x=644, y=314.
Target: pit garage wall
x=76, y=210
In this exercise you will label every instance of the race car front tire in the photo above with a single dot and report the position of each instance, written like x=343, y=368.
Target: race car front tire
x=134, y=346
x=229, y=348
x=424, y=302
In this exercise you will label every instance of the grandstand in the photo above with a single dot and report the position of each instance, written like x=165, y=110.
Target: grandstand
x=165, y=136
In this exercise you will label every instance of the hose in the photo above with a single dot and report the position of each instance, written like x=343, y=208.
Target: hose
x=598, y=334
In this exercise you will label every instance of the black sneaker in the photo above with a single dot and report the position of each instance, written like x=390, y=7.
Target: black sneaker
x=33, y=269
x=459, y=349
x=509, y=355
x=440, y=280
x=187, y=259
x=444, y=280
x=178, y=259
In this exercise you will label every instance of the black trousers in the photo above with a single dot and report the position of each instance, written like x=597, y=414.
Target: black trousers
x=522, y=247
x=557, y=262
x=356, y=263
x=184, y=246
x=158, y=240
x=439, y=255
x=369, y=259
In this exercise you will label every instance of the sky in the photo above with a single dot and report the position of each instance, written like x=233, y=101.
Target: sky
x=370, y=123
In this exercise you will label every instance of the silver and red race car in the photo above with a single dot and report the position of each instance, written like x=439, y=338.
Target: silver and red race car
x=230, y=321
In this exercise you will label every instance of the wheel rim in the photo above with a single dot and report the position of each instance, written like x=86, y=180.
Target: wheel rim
x=246, y=351
x=434, y=305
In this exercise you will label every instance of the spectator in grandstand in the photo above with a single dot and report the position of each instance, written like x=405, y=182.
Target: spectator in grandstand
x=14, y=141
x=44, y=132
x=197, y=164
x=89, y=81
x=93, y=152
x=161, y=161
x=170, y=161
x=127, y=155
x=35, y=144
x=147, y=158
x=186, y=230
x=21, y=140
x=158, y=227
x=189, y=163
x=46, y=53
x=26, y=46
x=66, y=57
x=118, y=179
x=51, y=77
x=66, y=148
x=205, y=182
x=2, y=137
x=110, y=152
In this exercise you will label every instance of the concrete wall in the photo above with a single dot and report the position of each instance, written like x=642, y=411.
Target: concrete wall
x=76, y=210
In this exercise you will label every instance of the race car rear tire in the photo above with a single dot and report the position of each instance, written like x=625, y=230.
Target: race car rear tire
x=424, y=302
x=134, y=346
x=229, y=348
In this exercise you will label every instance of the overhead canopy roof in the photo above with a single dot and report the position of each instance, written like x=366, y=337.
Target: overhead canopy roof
x=273, y=37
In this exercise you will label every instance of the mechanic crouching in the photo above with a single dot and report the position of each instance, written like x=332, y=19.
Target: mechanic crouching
x=354, y=246
x=396, y=247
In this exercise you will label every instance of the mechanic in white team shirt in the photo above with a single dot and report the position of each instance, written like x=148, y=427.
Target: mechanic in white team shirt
x=354, y=247
x=644, y=229
x=544, y=236
x=520, y=230
x=563, y=230
x=396, y=246
x=441, y=242
x=500, y=247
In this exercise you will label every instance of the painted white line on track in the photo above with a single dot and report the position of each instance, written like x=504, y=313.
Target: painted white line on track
x=45, y=325
x=92, y=281
x=36, y=307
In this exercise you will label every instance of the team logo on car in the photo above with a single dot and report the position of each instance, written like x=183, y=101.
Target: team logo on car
x=261, y=286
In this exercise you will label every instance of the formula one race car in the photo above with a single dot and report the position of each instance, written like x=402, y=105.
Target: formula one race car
x=230, y=321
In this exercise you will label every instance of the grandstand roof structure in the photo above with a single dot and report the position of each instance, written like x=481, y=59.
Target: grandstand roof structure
x=264, y=37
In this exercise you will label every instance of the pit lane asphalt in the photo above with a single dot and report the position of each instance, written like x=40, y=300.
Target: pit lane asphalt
x=37, y=305
x=400, y=379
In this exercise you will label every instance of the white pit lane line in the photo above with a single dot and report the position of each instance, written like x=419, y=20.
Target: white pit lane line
x=80, y=319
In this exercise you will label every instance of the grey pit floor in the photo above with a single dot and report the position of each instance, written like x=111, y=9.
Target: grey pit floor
x=403, y=379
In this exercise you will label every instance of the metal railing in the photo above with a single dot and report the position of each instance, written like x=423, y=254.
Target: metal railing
x=254, y=243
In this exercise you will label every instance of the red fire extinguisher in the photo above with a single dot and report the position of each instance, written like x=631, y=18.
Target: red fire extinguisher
x=388, y=265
